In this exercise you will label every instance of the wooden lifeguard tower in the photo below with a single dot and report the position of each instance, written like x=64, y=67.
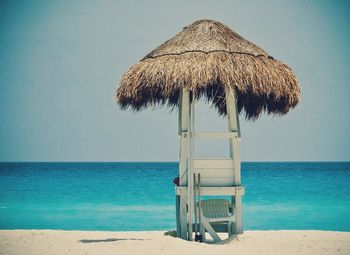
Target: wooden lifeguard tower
x=218, y=177
x=209, y=60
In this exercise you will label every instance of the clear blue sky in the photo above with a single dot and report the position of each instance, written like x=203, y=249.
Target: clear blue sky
x=61, y=61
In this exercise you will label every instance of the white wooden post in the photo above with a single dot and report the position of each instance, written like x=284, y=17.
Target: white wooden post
x=184, y=115
x=233, y=125
x=183, y=217
x=190, y=186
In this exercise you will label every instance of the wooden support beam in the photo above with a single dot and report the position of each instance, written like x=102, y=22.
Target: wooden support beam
x=183, y=218
x=210, y=229
x=183, y=162
x=233, y=121
x=233, y=126
x=178, y=220
x=184, y=115
x=179, y=120
x=190, y=200
x=237, y=162
x=184, y=110
x=213, y=191
x=224, y=135
x=238, y=226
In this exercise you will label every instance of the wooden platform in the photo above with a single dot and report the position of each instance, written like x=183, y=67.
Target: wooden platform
x=213, y=191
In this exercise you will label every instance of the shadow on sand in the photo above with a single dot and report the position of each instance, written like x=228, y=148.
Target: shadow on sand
x=110, y=240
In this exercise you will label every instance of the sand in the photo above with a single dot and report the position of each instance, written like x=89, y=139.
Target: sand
x=50, y=242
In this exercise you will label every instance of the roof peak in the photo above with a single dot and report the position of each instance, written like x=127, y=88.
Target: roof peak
x=206, y=36
x=206, y=22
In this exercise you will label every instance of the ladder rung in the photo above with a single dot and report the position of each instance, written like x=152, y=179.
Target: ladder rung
x=233, y=134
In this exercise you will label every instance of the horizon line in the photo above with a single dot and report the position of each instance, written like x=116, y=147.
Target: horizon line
x=258, y=161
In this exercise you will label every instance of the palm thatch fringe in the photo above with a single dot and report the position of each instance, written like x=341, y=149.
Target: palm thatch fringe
x=260, y=83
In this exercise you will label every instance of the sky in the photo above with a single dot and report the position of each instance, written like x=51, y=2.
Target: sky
x=61, y=62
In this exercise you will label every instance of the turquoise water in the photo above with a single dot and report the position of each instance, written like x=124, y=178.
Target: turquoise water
x=140, y=196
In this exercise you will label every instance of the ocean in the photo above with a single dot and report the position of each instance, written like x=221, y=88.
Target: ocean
x=140, y=196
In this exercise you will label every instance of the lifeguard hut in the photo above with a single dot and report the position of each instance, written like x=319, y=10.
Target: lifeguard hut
x=208, y=60
x=208, y=177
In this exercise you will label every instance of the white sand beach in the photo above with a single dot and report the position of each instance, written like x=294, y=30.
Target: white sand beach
x=52, y=242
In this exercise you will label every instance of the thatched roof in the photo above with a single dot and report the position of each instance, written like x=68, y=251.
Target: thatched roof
x=204, y=58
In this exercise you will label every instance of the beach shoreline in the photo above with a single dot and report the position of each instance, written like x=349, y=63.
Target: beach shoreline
x=52, y=242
